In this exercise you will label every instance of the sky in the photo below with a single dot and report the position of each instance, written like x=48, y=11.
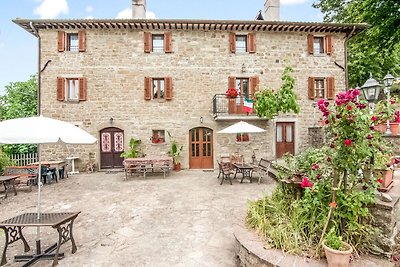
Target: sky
x=19, y=49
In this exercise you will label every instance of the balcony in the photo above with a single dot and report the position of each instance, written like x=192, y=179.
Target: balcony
x=231, y=108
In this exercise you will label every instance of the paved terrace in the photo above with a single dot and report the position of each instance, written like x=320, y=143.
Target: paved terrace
x=186, y=219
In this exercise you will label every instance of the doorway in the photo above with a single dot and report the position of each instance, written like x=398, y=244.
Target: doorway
x=111, y=148
x=201, y=148
x=284, y=138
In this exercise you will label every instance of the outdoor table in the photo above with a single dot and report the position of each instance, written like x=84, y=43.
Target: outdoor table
x=62, y=221
x=9, y=183
x=146, y=164
x=245, y=169
x=72, y=160
x=58, y=164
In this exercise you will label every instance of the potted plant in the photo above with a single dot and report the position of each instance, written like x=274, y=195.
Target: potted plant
x=175, y=152
x=337, y=252
x=231, y=93
x=383, y=171
x=134, y=150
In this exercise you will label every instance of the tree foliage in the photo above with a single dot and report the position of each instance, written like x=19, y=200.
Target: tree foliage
x=376, y=50
x=20, y=100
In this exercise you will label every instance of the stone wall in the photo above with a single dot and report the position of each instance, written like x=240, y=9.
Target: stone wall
x=115, y=65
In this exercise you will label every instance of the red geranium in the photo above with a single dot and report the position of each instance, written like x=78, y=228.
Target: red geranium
x=347, y=142
x=306, y=183
x=231, y=92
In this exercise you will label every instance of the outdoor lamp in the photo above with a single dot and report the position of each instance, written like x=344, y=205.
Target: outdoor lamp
x=370, y=90
x=388, y=80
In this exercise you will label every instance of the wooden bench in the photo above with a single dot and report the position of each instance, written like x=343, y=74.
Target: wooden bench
x=263, y=168
x=147, y=168
x=27, y=174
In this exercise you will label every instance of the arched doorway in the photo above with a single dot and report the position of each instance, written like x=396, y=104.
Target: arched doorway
x=201, y=148
x=111, y=147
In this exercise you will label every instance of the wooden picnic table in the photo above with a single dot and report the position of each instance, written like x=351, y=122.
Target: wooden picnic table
x=62, y=221
x=9, y=183
x=147, y=164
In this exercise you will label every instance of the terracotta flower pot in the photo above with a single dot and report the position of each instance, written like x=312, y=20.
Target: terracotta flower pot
x=386, y=176
x=177, y=167
x=338, y=258
x=394, y=128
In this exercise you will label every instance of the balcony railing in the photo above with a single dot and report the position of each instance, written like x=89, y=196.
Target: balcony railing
x=231, y=108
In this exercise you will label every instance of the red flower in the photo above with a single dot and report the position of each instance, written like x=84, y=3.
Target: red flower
x=349, y=108
x=306, y=183
x=329, y=159
x=370, y=136
x=347, y=142
x=373, y=118
x=380, y=181
x=231, y=92
x=314, y=166
x=326, y=121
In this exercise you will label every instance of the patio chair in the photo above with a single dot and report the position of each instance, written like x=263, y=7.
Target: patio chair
x=47, y=174
x=225, y=171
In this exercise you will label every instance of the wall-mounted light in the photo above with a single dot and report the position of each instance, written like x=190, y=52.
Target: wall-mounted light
x=201, y=119
x=111, y=120
x=243, y=68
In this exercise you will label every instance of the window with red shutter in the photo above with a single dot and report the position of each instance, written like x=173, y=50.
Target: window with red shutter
x=329, y=44
x=167, y=42
x=168, y=88
x=231, y=82
x=254, y=82
x=61, y=41
x=232, y=42
x=82, y=41
x=148, y=42
x=60, y=88
x=311, y=88
x=82, y=89
x=251, y=42
x=330, y=87
x=310, y=44
x=147, y=88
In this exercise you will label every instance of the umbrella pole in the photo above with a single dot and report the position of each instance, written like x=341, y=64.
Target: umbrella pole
x=38, y=249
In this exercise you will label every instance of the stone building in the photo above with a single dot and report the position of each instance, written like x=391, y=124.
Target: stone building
x=140, y=78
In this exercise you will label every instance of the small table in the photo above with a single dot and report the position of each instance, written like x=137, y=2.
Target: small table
x=245, y=169
x=62, y=221
x=72, y=160
x=9, y=183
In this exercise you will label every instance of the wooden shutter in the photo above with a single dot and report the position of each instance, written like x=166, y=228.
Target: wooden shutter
x=147, y=88
x=167, y=42
x=231, y=82
x=82, y=41
x=311, y=87
x=60, y=88
x=310, y=43
x=330, y=84
x=251, y=43
x=232, y=42
x=329, y=44
x=254, y=82
x=168, y=88
x=61, y=41
x=148, y=42
x=82, y=89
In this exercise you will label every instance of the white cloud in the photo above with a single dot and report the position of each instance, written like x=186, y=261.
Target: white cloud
x=50, y=9
x=89, y=17
x=89, y=9
x=292, y=2
x=127, y=14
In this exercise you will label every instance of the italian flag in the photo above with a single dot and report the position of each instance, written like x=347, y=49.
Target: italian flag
x=248, y=105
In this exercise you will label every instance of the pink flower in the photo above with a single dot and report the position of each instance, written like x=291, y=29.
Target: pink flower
x=370, y=136
x=306, y=183
x=373, y=118
x=347, y=142
x=314, y=166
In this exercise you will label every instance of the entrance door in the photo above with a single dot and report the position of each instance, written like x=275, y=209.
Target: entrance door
x=201, y=148
x=284, y=138
x=111, y=147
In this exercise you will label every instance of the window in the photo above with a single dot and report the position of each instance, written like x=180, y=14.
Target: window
x=158, y=137
x=242, y=137
x=158, y=88
x=321, y=87
x=75, y=42
x=320, y=45
x=242, y=86
x=242, y=43
x=158, y=42
x=71, y=89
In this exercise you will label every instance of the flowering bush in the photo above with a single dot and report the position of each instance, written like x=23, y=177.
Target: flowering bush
x=387, y=110
x=231, y=93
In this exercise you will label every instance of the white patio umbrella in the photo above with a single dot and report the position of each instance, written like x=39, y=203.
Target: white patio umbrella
x=242, y=127
x=41, y=130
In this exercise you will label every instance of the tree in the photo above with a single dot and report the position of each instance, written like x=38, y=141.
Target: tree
x=376, y=50
x=20, y=100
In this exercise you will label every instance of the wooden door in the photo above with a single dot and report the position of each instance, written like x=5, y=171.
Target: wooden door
x=111, y=147
x=201, y=148
x=284, y=138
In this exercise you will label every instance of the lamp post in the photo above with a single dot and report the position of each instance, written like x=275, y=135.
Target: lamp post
x=370, y=90
x=388, y=82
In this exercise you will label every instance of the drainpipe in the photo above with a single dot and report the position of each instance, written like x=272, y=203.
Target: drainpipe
x=348, y=36
x=36, y=33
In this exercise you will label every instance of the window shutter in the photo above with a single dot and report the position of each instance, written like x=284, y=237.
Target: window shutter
x=232, y=42
x=254, y=82
x=330, y=87
x=147, y=88
x=310, y=42
x=82, y=41
x=168, y=88
x=231, y=82
x=61, y=41
x=329, y=44
x=251, y=43
x=60, y=88
x=311, y=87
x=82, y=89
x=168, y=42
x=148, y=42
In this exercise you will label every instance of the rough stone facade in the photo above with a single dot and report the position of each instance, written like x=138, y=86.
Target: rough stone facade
x=115, y=65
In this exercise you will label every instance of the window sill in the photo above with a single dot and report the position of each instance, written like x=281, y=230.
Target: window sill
x=158, y=144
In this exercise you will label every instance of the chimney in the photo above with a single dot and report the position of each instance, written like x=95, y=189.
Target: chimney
x=271, y=8
x=138, y=9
